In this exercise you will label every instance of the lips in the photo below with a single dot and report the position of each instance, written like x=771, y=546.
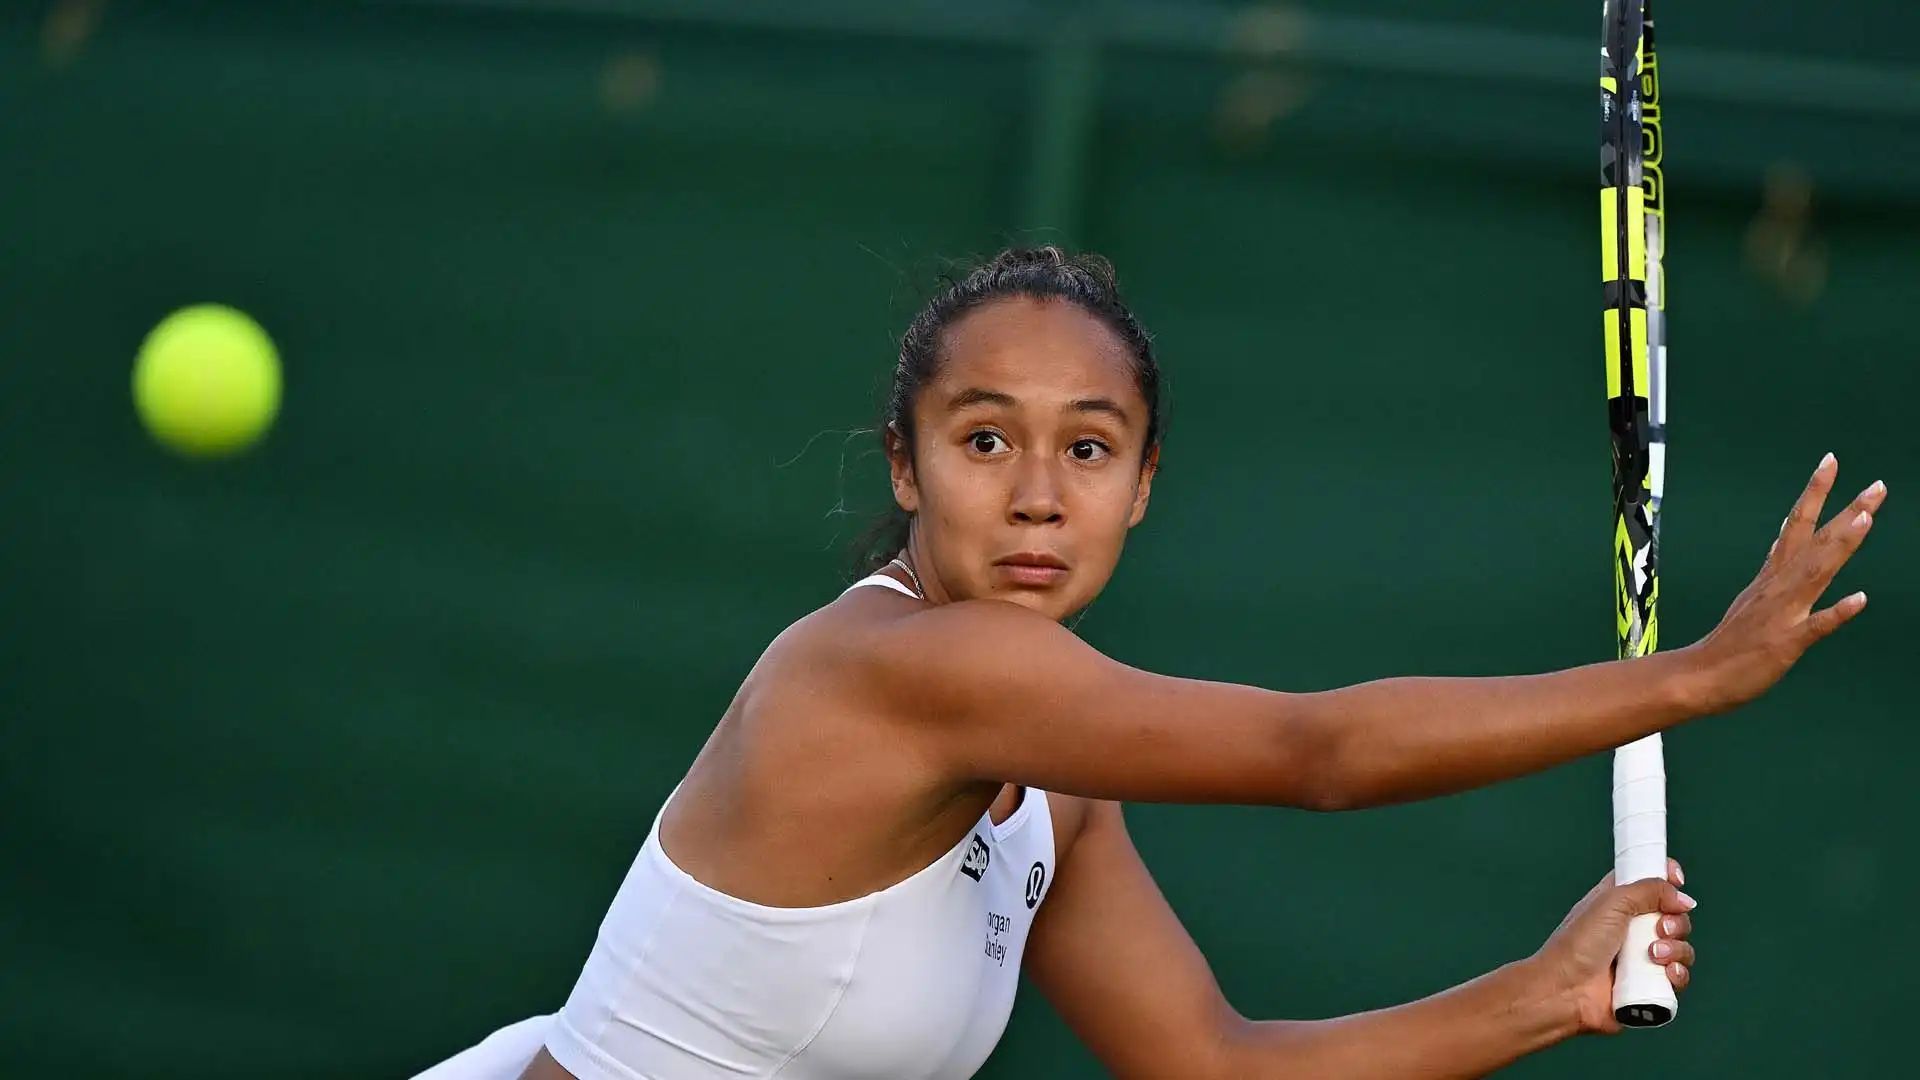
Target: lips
x=1033, y=558
x=1033, y=569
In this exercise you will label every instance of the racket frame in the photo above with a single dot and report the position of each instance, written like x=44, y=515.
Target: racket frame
x=1632, y=235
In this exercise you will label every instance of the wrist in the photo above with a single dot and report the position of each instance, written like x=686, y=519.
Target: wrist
x=1685, y=683
x=1544, y=1007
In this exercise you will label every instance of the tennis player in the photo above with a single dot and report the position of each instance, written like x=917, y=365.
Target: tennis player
x=916, y=792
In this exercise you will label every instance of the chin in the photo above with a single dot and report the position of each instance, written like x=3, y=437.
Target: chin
x=1032, y=599
x=1048, y=602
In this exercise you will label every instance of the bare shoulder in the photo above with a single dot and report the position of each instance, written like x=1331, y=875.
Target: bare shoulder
x=982, y=691
x=994, y=655
x=897, y=644
x=882, y=654
x=848, y=632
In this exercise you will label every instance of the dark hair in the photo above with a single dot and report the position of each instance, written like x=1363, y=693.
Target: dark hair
x=1045, y=273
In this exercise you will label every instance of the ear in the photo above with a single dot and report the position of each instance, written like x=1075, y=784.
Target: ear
x=906, y=490
x=1148, y=469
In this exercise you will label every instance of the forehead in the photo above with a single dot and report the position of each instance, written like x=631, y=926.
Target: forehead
x=1038, y=350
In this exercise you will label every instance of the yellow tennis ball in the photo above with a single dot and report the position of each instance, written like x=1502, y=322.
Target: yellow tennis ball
x=207, y=381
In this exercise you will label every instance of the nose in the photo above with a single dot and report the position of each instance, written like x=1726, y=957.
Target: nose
x=1035, y=499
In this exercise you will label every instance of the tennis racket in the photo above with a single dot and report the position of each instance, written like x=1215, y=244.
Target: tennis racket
x=1632, y=216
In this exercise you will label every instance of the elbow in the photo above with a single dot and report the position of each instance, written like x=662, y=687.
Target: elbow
x=1246, y=1048
x=1227, y=1057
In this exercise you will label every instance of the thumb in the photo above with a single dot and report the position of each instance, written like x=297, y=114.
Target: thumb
x=1648, y=896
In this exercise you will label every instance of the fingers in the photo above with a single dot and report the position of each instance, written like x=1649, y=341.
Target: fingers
x=1674, y=873
x=1672, y=951
x=1872, y=498
x=1651, y=895
x=1858, y=512
x=1799, y=523
x=1830, y=551
x=1832, y=546
x=1822, y=623
x=1849, y=527
x=1868, y=501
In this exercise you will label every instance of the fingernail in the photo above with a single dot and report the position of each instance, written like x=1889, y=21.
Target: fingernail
x=1861, y=519
x=1668, y=926
x=1873, y=492
x=1679, y=875
x=1677, y=971
x=1825, y=461
x=1662, y=950
x=1686, y=902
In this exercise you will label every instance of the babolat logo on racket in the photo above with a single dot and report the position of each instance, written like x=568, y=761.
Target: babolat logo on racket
x=977, y=858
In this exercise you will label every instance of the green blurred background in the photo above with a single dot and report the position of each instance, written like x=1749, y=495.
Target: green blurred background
x=324, y=762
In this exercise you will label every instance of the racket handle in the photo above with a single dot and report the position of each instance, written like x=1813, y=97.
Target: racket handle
x=1642, y=995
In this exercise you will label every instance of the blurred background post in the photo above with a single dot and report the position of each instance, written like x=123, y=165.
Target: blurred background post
x=323, y=760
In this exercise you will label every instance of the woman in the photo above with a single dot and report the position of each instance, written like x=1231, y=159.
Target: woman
x=917, y=789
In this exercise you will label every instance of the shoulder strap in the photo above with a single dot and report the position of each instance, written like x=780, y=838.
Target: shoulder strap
x=883, y=580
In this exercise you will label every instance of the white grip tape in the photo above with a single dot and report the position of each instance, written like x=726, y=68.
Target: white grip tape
x=1640, y=852
x=1640, y=981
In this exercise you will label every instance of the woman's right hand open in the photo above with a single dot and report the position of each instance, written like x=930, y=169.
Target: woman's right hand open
x=1773, y=621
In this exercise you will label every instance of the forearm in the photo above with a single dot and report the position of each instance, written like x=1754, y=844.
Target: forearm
x=1467, y=1031
x=1397, y=740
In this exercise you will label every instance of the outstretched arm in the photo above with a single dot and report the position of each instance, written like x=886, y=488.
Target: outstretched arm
x=1120, y=969
x=989, y=691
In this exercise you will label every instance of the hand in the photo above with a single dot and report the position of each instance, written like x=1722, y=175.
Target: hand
x=1772, y=622
x=1577, y=961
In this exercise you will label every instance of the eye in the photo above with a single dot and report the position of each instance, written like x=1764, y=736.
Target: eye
x=987, y=442
x=1088, y=450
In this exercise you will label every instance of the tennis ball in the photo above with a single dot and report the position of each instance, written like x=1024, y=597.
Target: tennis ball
x=206, y=381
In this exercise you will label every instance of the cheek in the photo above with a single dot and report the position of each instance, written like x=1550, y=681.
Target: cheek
x=1113, y=489
x=948, y=476
x=956, y=493
x=1106, y=507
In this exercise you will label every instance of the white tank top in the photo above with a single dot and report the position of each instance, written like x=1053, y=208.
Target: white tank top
x=914, y=982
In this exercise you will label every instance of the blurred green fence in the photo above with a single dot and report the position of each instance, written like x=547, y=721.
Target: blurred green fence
x=325, y=762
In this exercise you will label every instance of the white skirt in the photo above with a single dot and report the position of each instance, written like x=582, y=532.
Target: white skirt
x=503, y=1055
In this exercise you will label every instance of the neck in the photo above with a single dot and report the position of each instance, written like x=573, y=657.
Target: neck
x=906, y=572
x=919, y=573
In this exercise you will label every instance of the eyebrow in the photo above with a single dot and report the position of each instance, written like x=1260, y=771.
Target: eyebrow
x=1099, y=405
x=969, y=398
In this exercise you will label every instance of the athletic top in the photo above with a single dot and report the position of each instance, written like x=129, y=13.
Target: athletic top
x=913, y=982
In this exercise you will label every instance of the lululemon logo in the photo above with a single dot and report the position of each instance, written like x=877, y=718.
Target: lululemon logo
x=1036, y=884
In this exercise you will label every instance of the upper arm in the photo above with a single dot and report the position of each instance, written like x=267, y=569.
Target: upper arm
x=1000, y=693
x=1115, y=962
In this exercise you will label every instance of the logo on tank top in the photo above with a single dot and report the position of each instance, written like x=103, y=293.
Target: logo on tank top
x=975, y=864
x=1036, y=884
